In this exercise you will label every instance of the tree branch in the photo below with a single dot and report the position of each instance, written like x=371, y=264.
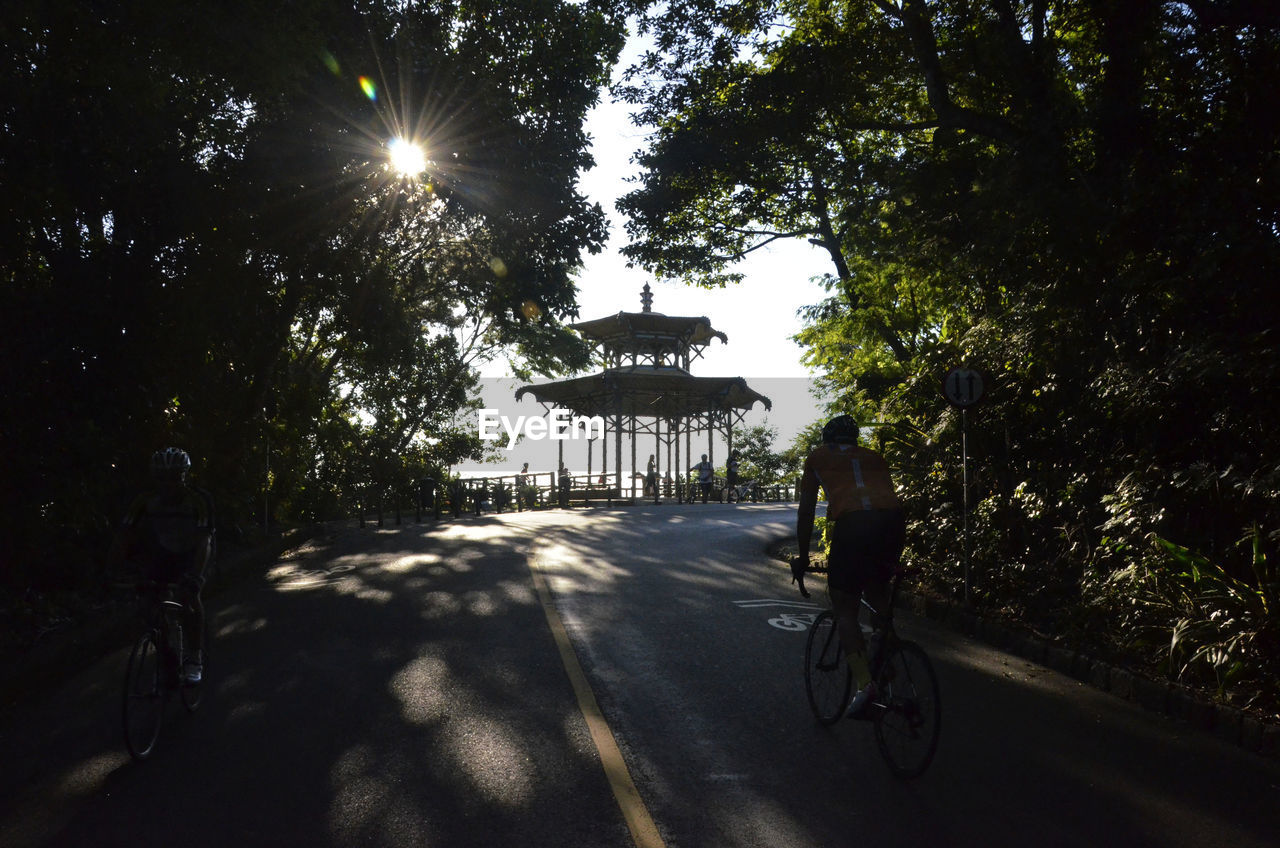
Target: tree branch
x=828, y=241
x=915, y=17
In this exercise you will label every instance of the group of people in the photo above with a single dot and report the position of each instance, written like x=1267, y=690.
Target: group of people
x=706, y=477
x=168, y=534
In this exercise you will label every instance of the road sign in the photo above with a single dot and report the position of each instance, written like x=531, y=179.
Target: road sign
x=964, y=387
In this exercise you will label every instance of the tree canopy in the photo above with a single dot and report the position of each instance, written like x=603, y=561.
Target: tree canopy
x=1078, y=196
x=203, y=243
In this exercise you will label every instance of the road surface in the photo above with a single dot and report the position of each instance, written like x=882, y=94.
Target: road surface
x=405, y=686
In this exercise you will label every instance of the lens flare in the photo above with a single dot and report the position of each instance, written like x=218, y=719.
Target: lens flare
x=370, y=90
x=407, y=158
x=331, y=62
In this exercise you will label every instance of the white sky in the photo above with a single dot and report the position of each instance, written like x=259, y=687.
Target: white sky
x=759, y=316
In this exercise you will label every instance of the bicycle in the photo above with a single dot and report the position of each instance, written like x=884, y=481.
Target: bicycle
x=154, y=671
x=906, y=711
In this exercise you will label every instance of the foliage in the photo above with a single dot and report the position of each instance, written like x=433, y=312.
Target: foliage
x=1226, y=630
x=756, y=459
x=202, y=244
x=1078, y=198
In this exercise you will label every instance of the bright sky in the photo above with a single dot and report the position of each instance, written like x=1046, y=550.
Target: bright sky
x=759, y=316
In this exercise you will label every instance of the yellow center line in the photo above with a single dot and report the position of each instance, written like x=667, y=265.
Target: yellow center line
x=643, y=830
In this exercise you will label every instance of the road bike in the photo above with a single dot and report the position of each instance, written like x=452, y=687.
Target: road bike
x=154, y=672
x=906, y=709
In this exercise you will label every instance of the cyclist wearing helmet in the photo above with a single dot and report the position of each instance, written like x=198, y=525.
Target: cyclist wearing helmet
x=168, y=535
x=867, y=528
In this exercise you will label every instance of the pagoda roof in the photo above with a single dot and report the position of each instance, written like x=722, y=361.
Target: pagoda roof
x=647, y=391
x=625, y=327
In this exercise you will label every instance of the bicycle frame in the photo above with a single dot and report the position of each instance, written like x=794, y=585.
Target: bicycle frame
x=905, y=707
x=154, y=670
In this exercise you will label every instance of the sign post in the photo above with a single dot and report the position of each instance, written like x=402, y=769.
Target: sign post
x=963, y=388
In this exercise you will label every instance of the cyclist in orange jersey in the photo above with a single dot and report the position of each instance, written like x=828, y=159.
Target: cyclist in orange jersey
x=867, y=528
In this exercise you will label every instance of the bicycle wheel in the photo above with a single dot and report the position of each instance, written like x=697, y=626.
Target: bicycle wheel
x=827, y=679
x=144, y=697
x=909, y=715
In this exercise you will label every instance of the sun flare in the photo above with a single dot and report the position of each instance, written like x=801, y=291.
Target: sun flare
x=407, y=158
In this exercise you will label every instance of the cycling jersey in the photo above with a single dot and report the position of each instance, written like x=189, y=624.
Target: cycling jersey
x=855, y=479
x=176, y=525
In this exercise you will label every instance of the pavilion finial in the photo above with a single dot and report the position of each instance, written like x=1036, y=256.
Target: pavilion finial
x=646, y=299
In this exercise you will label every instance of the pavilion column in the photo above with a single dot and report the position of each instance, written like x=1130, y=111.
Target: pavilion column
x=633, y=456
x=711, y=438
x=688, y=446
x=729, y=438
x=678, y=478
x=657, y=458
x=617, y=449
x=670, y=432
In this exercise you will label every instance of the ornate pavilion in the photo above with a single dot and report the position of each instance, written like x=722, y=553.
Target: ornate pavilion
x=646, y=391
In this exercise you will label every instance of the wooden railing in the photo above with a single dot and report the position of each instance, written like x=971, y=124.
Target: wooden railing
x=518, y=492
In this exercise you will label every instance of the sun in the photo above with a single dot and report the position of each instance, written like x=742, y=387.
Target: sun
x=407, y=158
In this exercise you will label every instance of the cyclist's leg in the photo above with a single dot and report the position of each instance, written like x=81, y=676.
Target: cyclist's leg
x=885, y=554
x=193, y=581
x=846, y=579
x=844, y=604
x=865, y=547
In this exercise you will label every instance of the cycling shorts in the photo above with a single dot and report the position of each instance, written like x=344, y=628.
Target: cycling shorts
x=866, y=547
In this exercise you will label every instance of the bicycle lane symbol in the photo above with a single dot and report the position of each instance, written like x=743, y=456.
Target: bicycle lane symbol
x=289, y=576
x=790, y=615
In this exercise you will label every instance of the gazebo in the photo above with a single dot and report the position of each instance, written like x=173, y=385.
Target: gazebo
x=646, y=389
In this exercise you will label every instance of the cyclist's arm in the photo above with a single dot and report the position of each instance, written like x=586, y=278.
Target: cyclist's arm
x=807, y=509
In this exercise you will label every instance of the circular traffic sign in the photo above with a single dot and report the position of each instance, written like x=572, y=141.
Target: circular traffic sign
x=963, y=387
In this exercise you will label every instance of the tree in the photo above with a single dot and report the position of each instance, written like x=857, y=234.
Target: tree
x=758, y=461
x=1078, y=196
x=203, y=245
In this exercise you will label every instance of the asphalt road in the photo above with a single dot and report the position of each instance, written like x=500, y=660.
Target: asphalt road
x=404, y=687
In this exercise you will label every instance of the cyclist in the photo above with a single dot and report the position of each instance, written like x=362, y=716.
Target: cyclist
x=867, y=529
x=168, y=534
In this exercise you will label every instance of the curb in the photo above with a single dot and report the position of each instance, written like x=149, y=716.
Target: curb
x=1230, y=724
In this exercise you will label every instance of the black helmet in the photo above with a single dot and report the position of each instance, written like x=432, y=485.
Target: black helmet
x=170, y=464
x=841, y=429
